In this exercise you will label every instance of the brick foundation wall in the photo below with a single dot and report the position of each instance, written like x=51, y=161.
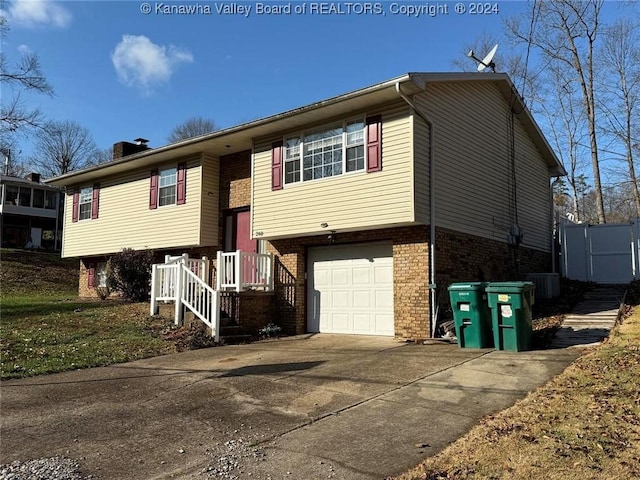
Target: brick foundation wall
x=410, y=272
x=462, y=258
x=459, y=257
x=256, y=310
x=85, y=291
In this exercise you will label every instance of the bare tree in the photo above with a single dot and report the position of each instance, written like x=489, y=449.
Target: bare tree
x=193, y=127
x=566, y=124
x=13, y=163
x=565, y=32
x=61, y=147
x=620, y=58
x=99, y=156
x=25, y=76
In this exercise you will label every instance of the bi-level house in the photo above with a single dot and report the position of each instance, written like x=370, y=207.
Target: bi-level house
x=369, y=203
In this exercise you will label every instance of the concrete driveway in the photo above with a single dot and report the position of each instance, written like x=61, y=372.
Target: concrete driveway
x=309, y=407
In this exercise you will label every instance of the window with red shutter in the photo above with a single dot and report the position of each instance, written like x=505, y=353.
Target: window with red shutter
x=153, y=190
x=374, y=143
x=76, y=206
x=95, y=201
x=181, y=194
x=91, y=275
x=276, y=166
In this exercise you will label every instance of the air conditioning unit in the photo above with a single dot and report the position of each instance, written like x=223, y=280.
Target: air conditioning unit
x=547, y=284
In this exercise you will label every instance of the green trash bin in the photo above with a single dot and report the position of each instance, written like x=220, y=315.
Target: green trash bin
x=510, y=304
x=471, y=314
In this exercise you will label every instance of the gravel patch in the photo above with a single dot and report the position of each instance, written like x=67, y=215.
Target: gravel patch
x=54, y=468
x=228, y=465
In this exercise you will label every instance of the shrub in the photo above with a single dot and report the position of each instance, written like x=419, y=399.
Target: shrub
x=129, y=272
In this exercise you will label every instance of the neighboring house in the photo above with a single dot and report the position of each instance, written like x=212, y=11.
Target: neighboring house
x=344, y=192
x=30, y=213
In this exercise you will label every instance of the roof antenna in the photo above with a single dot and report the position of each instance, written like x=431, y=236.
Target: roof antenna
x=487, y=61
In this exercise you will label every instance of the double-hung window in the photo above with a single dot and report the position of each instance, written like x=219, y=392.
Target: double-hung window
x=324, y=152
x=167, y=186
x=84, y=212
x=85, y=203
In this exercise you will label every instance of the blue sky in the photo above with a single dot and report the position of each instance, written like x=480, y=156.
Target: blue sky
x=123, y=74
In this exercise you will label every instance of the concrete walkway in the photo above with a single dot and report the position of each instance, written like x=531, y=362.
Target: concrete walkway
x=592, y=319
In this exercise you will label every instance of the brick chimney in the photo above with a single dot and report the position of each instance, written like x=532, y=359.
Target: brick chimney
x=123, y=149
x=34, y=177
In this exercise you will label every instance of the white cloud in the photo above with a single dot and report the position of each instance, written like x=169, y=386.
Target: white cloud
x=39, y=12
x=141, y=63
x=24, y=49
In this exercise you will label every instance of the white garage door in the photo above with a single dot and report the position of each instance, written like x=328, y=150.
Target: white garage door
x=350, y=289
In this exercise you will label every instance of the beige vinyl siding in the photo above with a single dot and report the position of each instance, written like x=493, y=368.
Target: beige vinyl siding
x=472, y=166
x=352, y=201
x=125, y=220
x=210, y=195
x=421, y=169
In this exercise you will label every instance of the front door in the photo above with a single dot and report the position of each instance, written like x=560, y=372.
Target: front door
x=244, y=241
x=238, y=237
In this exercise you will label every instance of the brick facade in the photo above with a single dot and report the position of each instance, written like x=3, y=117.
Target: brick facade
x=459, y=257
x=410, y=277
x=235, y=180
x=256, y=310
x=463, y=257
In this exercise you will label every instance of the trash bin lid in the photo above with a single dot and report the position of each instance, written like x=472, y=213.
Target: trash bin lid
x=468, y=286
x=509, y=287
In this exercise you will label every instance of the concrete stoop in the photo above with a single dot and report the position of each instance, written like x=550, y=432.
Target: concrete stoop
x=592, y=319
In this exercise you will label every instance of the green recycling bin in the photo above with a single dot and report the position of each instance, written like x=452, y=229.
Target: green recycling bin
x=471, y=314
x=510, y=304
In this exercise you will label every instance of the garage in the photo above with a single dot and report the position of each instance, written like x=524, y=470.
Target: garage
x=350, y=289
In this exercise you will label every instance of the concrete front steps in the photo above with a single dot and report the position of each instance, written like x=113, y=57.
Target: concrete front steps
x=592, y=319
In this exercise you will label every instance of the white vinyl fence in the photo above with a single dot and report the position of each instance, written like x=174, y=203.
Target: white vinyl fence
x=600, y=253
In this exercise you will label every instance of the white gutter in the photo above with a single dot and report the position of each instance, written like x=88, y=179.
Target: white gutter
x=433, y=314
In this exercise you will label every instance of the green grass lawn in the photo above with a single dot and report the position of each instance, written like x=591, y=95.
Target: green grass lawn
x=44, y=328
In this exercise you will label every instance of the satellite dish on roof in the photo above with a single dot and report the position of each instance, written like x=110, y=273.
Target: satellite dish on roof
x=487, y=61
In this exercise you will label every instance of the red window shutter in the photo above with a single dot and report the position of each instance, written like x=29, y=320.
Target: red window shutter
x=374, y=143
x=91, y=275
x=276, y=166
x=95, y=200
x=153, y=191
x=76, y=206
x=181, y=187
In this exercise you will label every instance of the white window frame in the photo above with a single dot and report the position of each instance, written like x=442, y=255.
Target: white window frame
x=173, y=185
x=82, y=200
x=300, y=155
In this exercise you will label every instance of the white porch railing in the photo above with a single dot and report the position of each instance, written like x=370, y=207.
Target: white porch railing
x=183, y=280
x=241, y=271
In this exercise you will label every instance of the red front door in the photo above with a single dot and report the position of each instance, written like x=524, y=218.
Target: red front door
x=243, y=233
x=238, y=237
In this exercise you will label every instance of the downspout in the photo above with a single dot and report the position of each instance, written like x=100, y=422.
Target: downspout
x=554, y=228
x=433, y=314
